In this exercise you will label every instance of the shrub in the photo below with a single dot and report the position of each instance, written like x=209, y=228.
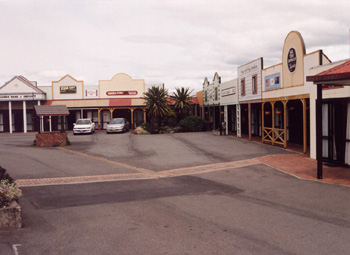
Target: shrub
x=8, y=192
x=150, y=128
x=192, y=124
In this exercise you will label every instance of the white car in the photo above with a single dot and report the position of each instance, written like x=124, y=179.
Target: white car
x=118, y=125
x=84, y=126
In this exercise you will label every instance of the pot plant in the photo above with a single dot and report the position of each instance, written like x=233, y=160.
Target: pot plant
x=10, y=211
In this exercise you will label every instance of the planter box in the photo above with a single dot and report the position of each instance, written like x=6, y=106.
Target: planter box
x=50, y=139
x=11, y=216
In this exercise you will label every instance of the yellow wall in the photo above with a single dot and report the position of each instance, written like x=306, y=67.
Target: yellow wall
x=293, y=40
x=121, y=82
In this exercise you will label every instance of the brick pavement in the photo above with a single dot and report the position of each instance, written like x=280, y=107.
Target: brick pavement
x=303, y=167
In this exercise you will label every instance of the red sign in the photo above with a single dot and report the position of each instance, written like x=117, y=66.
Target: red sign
x=122, y=93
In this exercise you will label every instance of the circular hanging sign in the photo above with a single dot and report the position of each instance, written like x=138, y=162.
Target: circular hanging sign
x=292, y=60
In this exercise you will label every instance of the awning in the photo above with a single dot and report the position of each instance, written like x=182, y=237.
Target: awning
x=51, y=110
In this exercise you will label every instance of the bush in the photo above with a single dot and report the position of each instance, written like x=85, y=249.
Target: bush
x=8, y=192
x=150, y=128
x=192, y=124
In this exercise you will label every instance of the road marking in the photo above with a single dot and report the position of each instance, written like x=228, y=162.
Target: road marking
x=14, y=247
x=138, y=169
x=136, y=176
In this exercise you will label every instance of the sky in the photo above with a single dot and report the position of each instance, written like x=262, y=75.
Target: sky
x=177, y=43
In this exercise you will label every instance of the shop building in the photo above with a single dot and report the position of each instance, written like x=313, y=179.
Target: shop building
x=249, y=96
x=286, y=94
x=120, y=96
x=229, y=104
x=330, y=132
x=17, y=99
x=211, y=91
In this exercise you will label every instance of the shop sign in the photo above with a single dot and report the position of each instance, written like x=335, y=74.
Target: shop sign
x=68, y=89
x=272, y=81
x=91, y=93
x=18, y=97
x=122, y=93
x=228, y=92
x=291, y=60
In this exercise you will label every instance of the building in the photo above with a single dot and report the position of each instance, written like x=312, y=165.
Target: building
x=229, y=104
x=286, y=94
x=211, y=91
x=17, y=99
x=249, y=98
x=120, y=96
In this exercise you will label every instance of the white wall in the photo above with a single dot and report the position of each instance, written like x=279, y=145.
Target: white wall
x=229, y=92
x=246, y=72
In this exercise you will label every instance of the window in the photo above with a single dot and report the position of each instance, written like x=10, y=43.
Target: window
x=243, y=87
x=206, y=96
x=254, y=84
x=216, y=93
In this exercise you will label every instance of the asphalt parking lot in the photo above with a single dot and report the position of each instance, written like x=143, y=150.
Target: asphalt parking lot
x=186, y=193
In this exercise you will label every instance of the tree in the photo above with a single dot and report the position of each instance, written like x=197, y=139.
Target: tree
x=183, y=102
x=157, y=103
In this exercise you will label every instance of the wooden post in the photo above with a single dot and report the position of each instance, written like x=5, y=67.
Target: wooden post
x=303, y=101
x=250, y=121
x=285, y=122
x=273, y=121
x=144, y=115
x=99, y=119
x=132, y=118
x=262, y=122
x=319, y=152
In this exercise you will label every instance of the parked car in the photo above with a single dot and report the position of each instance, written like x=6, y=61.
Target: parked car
x=118, y=125
x=84, y=126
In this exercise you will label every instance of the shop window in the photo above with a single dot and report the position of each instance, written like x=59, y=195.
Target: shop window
x=243, y=87
x=254, y=84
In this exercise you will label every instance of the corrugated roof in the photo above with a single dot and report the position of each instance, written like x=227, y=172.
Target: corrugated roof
x=340, y=72
x=51, y=110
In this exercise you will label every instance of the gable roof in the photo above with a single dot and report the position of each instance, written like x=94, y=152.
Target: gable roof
x=340, y=72
x=25, y=81
x=51, y=110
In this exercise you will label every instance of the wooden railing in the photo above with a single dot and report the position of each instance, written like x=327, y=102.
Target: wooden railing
x=274, y=135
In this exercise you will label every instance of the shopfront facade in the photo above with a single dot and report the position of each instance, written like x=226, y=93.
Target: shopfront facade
x=17, y=99
x=119, y=97
x=249, y=97
x=211, y=94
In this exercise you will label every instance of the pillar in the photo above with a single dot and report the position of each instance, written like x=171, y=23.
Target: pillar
x=319, y=152
x=24, y=117
x=132, y=118
x=285, y=122
x=10, y=117
x=50, y=124
x=144, y=115
x=250, y=121
x=273, y=121
x=303, y=101
x=99, y=119
x=262, y=122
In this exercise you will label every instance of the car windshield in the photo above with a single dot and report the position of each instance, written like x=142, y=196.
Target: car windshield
x=116, y=121
x=83, y=122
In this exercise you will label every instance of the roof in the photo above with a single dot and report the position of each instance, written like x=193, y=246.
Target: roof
x=340, y=72
x=51, y=110
x=25, y=81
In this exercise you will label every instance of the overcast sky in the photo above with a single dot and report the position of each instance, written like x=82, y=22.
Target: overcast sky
x=177, y=43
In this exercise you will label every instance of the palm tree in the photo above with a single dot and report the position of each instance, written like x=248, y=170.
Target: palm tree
x=157, y=103
x=183, y=102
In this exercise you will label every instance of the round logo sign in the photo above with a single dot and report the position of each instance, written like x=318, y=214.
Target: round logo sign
x=292, y=60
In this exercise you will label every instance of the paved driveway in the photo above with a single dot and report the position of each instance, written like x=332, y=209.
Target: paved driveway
x=181, y=194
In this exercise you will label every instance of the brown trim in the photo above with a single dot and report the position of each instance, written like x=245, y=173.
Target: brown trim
x=255, y=86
